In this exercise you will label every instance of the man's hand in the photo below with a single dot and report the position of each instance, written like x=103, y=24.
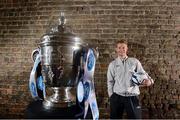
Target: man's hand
x=147, y=82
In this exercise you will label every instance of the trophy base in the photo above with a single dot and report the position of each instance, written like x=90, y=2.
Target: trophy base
x=61, y=98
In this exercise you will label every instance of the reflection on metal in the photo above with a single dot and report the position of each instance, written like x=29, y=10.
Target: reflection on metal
x=60, y=50
x=66, y=62
x=62, y=97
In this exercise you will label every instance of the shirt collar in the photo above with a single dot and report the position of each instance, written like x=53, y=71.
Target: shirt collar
x=120, y=60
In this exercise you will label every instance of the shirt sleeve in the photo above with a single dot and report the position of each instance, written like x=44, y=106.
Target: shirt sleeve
x=141, y=70
x=110, y=79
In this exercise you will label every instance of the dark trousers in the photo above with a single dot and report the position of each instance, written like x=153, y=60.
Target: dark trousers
x=120, y=103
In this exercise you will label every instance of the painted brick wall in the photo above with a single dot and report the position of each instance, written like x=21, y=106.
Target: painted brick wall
x=151, y=27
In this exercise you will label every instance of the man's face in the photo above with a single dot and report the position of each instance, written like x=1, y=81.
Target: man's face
x=121, y=49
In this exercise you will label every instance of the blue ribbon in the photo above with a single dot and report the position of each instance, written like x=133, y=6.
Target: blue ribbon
x=36, y=82
x=88, y=89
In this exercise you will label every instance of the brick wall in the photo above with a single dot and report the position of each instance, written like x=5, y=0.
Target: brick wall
x=151, y=27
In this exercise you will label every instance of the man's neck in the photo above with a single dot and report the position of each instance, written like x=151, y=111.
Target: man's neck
x=123, y=57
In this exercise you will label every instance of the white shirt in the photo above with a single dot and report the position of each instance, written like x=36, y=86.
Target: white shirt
x=119, y=76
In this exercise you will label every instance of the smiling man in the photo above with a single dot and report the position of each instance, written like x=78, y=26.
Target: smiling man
x=124, y=76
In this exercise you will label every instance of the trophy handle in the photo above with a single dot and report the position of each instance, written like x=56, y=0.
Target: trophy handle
x=34, y=54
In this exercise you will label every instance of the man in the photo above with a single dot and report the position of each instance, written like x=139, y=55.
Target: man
x=122, y=88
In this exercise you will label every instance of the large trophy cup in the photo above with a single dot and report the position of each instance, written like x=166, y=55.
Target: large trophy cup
x=65, y=64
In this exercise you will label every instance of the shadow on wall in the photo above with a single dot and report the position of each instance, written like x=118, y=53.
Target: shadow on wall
x=134, y=50
x=161, y=99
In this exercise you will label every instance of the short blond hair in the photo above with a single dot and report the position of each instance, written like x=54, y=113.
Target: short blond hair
x=121, y=41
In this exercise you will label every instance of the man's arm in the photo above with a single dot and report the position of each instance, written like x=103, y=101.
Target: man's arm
x=110, y=79
x=146, y=82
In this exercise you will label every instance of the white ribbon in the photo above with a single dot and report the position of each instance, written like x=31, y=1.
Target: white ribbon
x=89, y=69
x=36, y=81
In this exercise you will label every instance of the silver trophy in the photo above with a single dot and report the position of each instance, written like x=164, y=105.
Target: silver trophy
x=63, y=71
x=60, y=60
